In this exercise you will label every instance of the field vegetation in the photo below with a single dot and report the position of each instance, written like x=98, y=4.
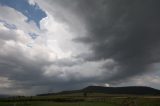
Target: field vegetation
x=81, y=99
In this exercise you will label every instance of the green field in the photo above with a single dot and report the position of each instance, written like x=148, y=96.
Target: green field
x=81, y=100
x=57, y=104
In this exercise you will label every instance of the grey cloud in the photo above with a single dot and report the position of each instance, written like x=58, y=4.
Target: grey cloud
x=123, y=37
x=126, y=31
x=26, y=72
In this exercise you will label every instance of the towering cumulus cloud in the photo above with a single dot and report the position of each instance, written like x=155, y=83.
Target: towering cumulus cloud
x=126, y=31
x=53, y=45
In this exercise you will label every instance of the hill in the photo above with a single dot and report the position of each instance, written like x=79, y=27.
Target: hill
x=132, y=90
x=4, y=96
x=137, y=90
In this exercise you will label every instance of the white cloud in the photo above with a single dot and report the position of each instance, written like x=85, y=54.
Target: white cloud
x=4, y=82
x=81, y=71
x=34, y=66
x=31, y=2
x=25, y=58
x=107, y=85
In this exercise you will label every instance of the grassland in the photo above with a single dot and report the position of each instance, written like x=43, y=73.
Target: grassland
x=57, y=104
x=78, y=99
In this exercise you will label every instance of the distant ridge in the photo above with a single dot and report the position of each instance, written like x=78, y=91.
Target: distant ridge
x=132, y=90
x=4, y=96
x=137, y=90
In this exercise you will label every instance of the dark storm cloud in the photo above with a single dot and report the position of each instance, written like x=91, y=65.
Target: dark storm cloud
x=125, y=30
x=123, y=36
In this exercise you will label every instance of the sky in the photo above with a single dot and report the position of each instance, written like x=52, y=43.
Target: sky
x=54, y=45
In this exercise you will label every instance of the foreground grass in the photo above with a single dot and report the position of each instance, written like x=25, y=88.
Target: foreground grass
x=80, y=100
x=56, y=104
x=45, y=103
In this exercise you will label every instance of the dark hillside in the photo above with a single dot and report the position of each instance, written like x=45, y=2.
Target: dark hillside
x=133, y=90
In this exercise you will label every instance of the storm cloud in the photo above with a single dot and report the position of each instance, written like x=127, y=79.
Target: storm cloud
x=126, y=31
x=79, y=43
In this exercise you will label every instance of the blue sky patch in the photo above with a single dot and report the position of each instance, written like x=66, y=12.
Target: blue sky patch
x=33, y=12
x=33, y=35
x=10, y=26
